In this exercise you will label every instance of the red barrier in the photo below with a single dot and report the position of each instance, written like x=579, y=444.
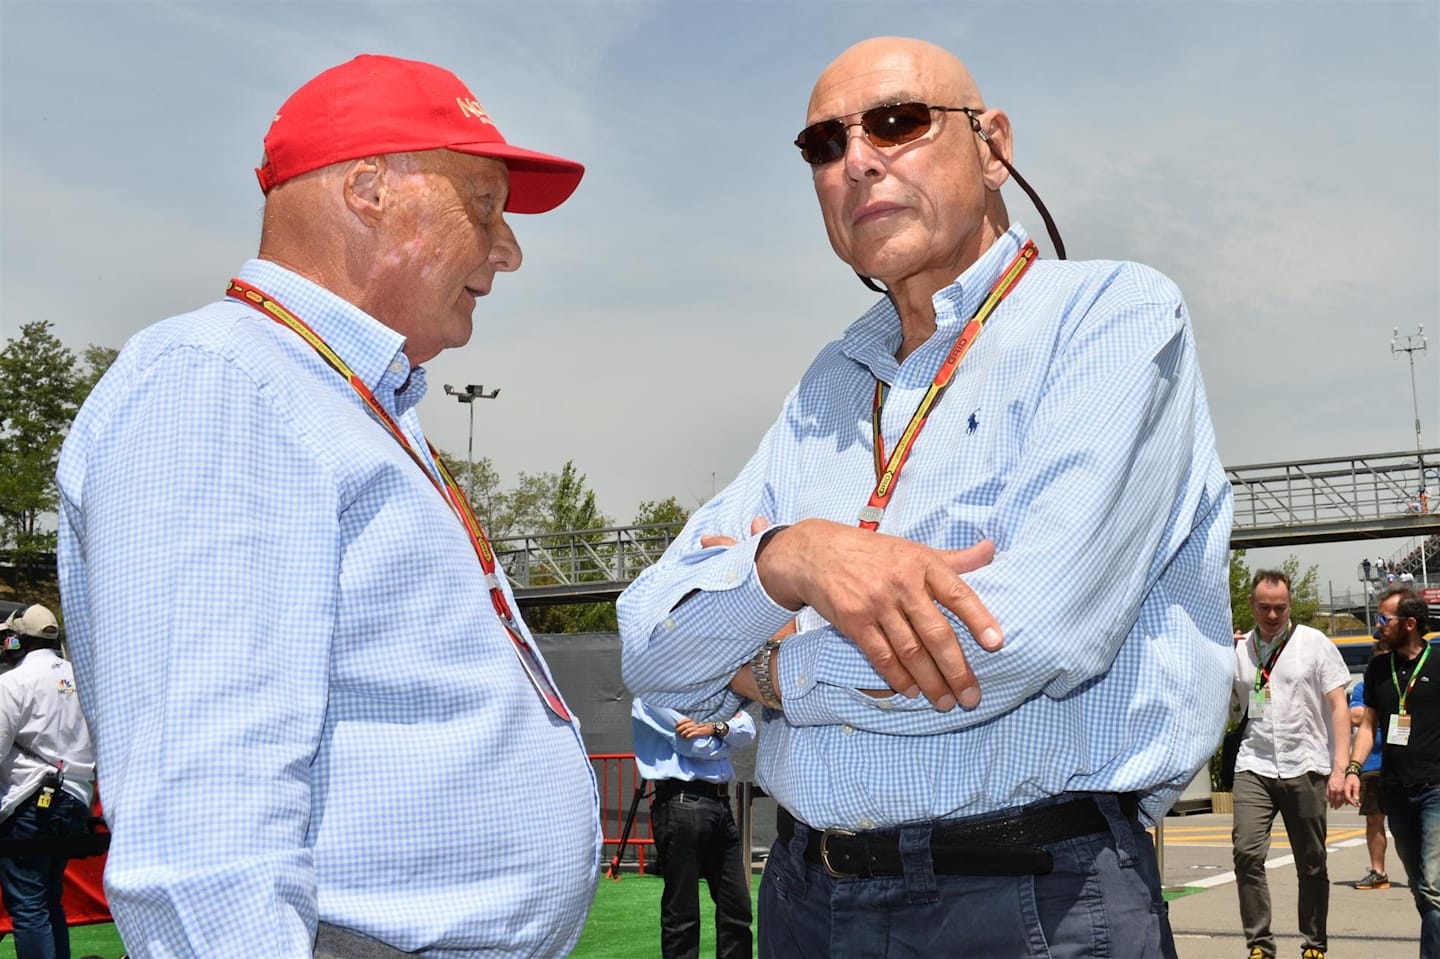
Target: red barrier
x=84, y=895
x=618, y=777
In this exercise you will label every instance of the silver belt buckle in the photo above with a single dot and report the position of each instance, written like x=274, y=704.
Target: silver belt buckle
x=825, y=853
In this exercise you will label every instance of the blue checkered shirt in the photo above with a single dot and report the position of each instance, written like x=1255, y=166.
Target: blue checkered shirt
x=304, y=706
x=1075, y=435
x=662, y=753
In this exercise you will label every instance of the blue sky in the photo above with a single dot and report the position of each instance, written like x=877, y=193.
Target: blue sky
x=1280, y=161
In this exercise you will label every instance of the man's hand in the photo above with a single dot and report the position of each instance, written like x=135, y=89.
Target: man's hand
x=1352, y=790
x=880, y=591
x=690, y=729
x=1337, y=790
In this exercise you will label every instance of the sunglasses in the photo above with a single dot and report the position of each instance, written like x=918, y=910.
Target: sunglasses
x=1381, y=619
x=884, y=126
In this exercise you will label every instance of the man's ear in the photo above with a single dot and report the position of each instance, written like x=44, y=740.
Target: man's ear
x=996, y=125
x=367, y=188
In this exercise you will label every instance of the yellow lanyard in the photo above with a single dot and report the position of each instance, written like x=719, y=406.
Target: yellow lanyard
x=450, y=490
x=887, y=471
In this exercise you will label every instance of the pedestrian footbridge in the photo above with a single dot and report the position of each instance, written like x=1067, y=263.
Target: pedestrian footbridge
x=1377, y=496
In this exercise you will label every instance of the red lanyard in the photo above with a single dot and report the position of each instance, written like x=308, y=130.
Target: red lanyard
x=529, y=659
x=1262, y=673
x=887, y=472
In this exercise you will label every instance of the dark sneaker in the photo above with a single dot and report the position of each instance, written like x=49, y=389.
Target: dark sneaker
x=1374, y=880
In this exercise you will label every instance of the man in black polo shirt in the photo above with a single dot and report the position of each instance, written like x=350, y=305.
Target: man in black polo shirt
x=1402, y=699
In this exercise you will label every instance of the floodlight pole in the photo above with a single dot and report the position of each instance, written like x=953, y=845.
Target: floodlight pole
x=1413, y=344
x=468, y=395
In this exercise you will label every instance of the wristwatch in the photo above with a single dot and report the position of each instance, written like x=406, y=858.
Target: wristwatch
x=760, y=669
x=722, y=729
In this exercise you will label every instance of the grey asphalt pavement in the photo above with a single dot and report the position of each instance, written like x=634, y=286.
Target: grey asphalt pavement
x=1363, y=924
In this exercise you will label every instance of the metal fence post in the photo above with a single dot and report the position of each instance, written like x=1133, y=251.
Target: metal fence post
x=746, y=823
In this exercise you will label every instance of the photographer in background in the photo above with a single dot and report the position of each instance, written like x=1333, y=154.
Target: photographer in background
x=48, y=774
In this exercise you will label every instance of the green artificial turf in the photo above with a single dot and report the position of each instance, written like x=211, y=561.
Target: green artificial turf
x=624, y=924
x=100, y=940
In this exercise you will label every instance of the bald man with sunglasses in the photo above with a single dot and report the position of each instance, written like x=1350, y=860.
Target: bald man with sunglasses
x=1000, y=536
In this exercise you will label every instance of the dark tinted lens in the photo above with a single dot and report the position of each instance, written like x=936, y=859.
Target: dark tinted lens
x=893, y=125
x=822, y=142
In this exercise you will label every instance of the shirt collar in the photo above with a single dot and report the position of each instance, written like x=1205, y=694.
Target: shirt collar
x=370, y=348
x=873, y=339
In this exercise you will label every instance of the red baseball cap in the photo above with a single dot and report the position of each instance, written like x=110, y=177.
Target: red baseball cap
x=374, y=105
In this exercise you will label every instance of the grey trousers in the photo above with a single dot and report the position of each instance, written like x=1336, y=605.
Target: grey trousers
x=332, y=942
x=1301, y=804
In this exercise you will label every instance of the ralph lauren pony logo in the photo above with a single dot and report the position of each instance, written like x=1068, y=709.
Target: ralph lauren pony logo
x=973, y=423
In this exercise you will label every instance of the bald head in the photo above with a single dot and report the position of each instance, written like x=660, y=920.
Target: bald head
x=895, y=62
x=914, y=210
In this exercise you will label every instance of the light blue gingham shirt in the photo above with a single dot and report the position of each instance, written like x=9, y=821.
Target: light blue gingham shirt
x=303, y=703
x=1075, y=435
x=662, y=753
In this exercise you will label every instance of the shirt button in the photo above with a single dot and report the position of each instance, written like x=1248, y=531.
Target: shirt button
x=848, y=730
x=731, y=577
x=866, y=823
x=882, y=703
x=670, y=624
x=802, y=680
x=397, y=367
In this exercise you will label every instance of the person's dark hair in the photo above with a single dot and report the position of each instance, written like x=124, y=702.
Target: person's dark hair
x=30, y=643
x=1269, y=576
x=1414, y=606
x=1404, y=592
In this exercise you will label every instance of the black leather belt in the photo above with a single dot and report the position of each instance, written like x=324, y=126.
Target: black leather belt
x=991, y=845
x=665, y=788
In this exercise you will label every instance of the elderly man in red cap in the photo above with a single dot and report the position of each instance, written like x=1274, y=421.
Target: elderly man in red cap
x=297, y=766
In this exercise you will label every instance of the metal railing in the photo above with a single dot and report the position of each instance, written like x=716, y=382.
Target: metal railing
x=1276, y=504
x=583, y=564
x=1351, y=497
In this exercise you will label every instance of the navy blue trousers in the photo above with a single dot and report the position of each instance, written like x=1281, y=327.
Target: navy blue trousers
x=1102, y=899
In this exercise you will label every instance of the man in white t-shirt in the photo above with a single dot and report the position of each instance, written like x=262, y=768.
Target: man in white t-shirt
x=1291, y=679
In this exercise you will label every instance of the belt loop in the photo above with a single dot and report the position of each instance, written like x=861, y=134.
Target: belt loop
x=1122, y=829
x=918, y=863
x=795, y=849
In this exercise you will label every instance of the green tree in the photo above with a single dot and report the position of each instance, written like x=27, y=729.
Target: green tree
x=667, y=510
x=1304, y=592
x=43, y=386
x=544, y=505
x=95, y=360
x=481, y=484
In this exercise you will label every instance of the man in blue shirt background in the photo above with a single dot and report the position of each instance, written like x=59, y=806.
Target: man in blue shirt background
x=694, y=827
x=1371, y=806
